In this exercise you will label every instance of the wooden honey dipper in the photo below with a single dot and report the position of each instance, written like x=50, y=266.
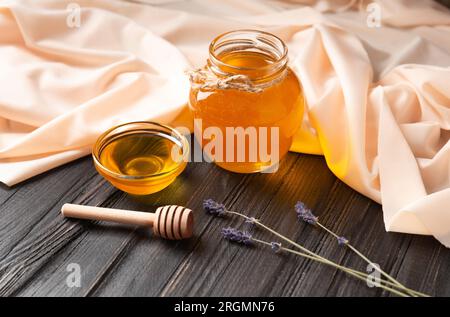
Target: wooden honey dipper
x=169, y=222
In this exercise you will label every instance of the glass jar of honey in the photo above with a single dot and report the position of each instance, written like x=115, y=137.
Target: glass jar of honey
x=247, y=103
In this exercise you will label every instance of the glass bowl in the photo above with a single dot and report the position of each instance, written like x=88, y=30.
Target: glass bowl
x=141, y=158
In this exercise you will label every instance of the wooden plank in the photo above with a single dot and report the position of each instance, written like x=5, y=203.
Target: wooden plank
x=256, y=271
x=426, y=265
x=238, y=271
x=32, y=230
x=112, y=243
x=118, y=260
x=151, y=267
x=33, y=200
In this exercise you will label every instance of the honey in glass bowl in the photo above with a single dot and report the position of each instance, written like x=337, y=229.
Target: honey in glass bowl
x=141, y=158
x=246, y=84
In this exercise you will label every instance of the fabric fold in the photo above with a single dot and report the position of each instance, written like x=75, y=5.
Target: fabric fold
x=378, y=99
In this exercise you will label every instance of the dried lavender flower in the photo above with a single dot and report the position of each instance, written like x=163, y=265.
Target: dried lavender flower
x=304, y=213
x=214, y=208
x=251, y=220
x=342, y=240
x=238, y=236
x=276, y=246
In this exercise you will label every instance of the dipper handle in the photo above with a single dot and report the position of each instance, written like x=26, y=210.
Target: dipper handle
x=170, y=222
x=108, y=214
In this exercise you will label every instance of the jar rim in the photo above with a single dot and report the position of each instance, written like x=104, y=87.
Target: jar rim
x=262, y=36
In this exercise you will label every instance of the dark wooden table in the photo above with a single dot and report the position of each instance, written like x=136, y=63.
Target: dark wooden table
x=37, y=245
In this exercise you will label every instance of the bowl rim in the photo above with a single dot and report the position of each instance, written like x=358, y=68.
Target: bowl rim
x=99, y=143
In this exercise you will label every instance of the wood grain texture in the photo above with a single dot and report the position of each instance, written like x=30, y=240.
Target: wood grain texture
x=37, y=244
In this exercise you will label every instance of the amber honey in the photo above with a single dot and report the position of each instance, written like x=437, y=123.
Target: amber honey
x=262, y=58
x=140, y=157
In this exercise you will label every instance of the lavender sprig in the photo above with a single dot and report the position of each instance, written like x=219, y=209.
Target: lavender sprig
x=235, y=235
x=305, y=214
x=277, y=247
x=214, y=208
x=217, y=209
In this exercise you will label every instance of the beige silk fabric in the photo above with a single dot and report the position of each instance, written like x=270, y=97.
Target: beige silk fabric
x=378, y=97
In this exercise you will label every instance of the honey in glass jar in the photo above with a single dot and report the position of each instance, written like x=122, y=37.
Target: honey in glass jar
x=247, y=87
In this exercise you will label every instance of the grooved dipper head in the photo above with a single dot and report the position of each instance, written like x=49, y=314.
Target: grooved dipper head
x=173, y=222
